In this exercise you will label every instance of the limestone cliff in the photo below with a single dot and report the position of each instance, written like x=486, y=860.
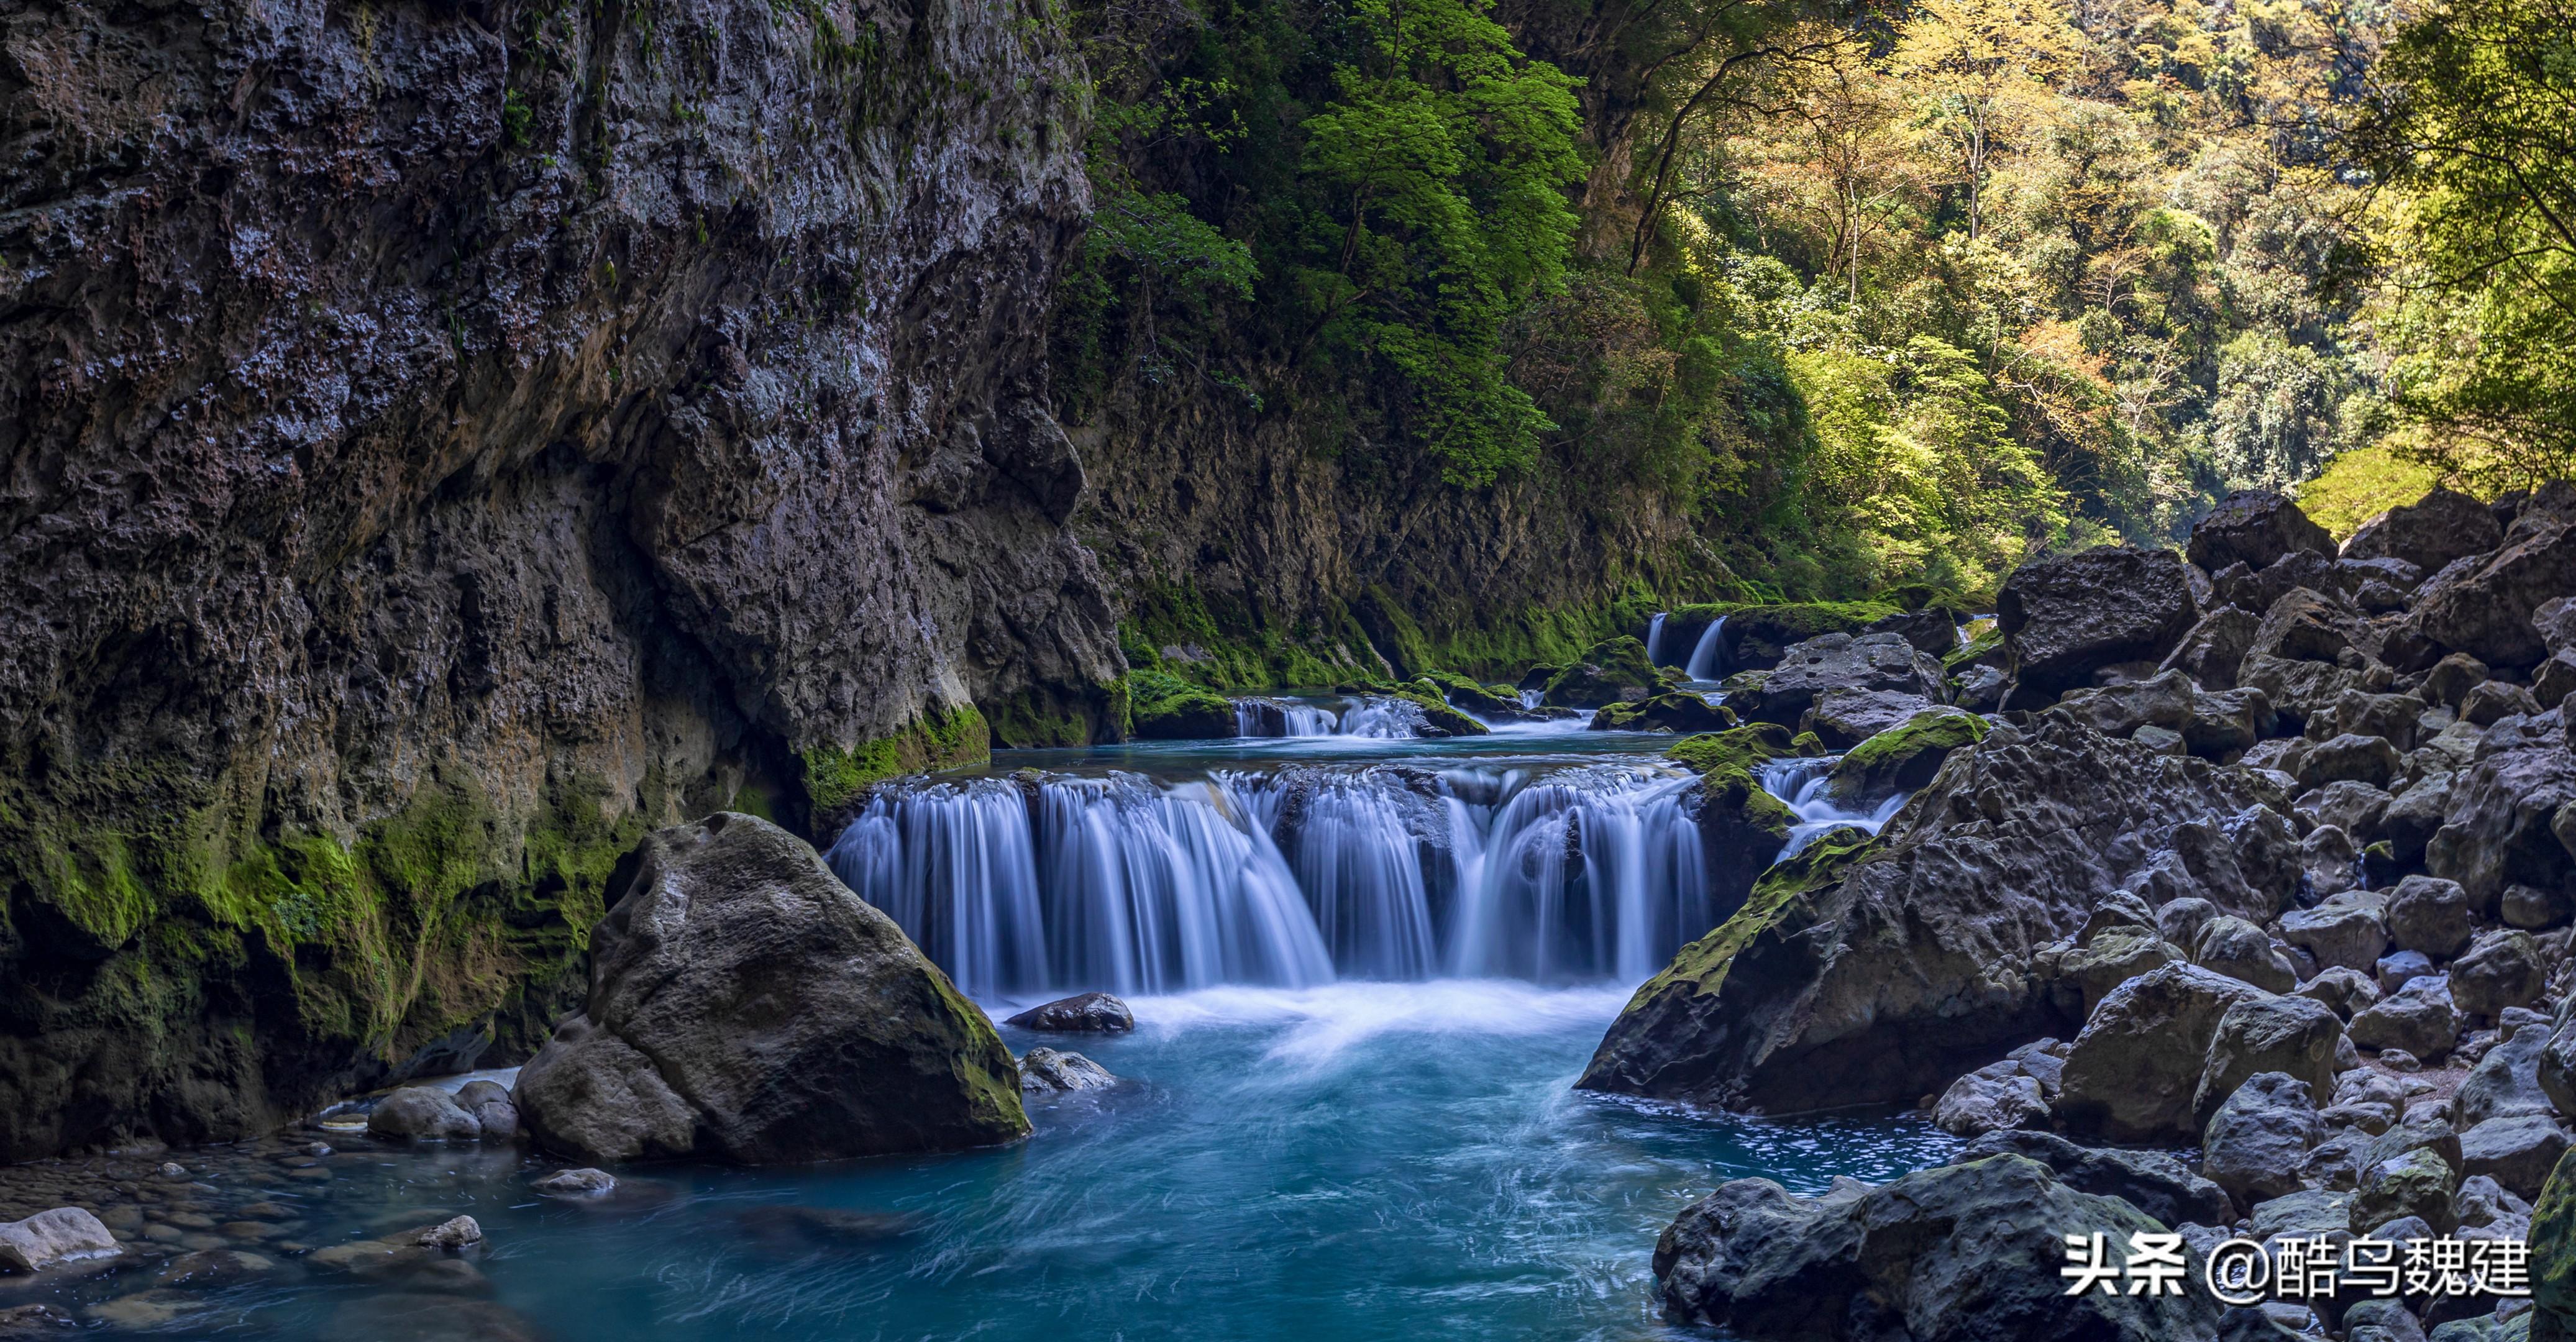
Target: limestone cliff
x=444, y=440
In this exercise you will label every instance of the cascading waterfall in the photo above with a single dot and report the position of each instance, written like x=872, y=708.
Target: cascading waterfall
x=1279, y=717
x=1708, y=656
x=1655, y=639
x=1288, y=878
x=1801, y=784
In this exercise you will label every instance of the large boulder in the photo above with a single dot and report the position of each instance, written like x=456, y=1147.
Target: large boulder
x=1611, y=671
x=2254, y=527
x=1679, y=712
x=2506, y=1082
x=2258, y=1141
x=2517, y=1151
x=2348, y=930
x=2553, y=1254
x=2294, y=1036
x=2484, y=607
x=2065, y=617
x=745, y=1006
x=423, y=1113
x=2431, y=915
x=2309, y=626
x=2212, y=725
x=1960, y=1252
x=2232, y=946
x=2134, y=1073
x=2151, y=1181
x=1845, y=717
x=1878, y=972
x=2500, y=971
x=2429, y=533
x=2509, y=818
x=1838, y=662
x=1903, y=758
x=2419, y=1019
x=2212, y=649
x=1996, y=1096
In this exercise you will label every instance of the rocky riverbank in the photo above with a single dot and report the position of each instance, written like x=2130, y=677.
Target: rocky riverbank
x=2269, y=857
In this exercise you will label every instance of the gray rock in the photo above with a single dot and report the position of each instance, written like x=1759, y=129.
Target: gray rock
x=2505, y=1083
x=2448, y=681
x=2180, y=920
x=2255, y=528
x=2430, y=915
x=576, y=1183
x=2211, y=649
x=2151, y=1181
x=2415, y=816
x=2354, y=808
x=2351, y=756
x=2293, y=1036
x=2257, y=1142
x=2329, y=860
x=2485, y=608
x=2397, y=717
x=2516, y=1151
x=1839, y=662
x=2381, y=1321
x=2343, y=991
x=54, y=1238
x=1900, y=965
x=2418, y=1183
x=2347, y=930
x=2396, y=968
x=2503, y=824
x=2532, y=908
x=2501, y=969
x=2335, y=1163
x=2000, y=1095
x=456, y=1233
x=1946, y=1253
x=2114, y=957
x=2430, y=533
x=2134, y=1073
x=2306, y=1214
x=1844, y=717
x=2299, y=691
x=1044, y=1071
x=422, y=1113
x=2067, y=616
x=1083, y=1013
x=2419, y=1018
x=2557, y=1070
x=2494, y=701
x=2234, y=947
x=745, y=1006
x=2211, y=725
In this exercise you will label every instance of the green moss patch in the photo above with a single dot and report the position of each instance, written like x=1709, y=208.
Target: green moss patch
x=941, y=738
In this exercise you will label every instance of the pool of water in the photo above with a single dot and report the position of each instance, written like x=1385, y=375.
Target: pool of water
x=1356, y=1161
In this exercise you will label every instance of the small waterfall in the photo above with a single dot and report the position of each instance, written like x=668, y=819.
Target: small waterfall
x=1531, y=699
x=1801, y=784
x=1655, y=639
x=1708, y=657
x=1287, y=878
x=1278, y=717
x=1384, y=718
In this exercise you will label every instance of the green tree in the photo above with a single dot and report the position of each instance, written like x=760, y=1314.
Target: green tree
x=2478, y=132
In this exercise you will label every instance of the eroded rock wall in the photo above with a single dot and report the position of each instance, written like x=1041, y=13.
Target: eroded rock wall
x=443, y=441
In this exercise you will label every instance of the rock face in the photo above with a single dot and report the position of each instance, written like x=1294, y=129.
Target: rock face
x=1879, y=974
x=2066, y=617
x=480, y=426
x=745, y=1006
x=1956, y=1252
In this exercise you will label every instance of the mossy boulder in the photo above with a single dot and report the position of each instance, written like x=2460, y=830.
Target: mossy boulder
x=1741, y=749
x=1610, y=671
x=2553, y=1251
x=1500, y=701
x=1680, y=711
x=1440, y=718
x=1905, y=758
x=1166, y=708
x=1757, y=636
x=745, y=1006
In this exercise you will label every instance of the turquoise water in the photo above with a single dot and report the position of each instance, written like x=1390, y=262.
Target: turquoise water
x=1357, y=1160
x=1361, y=1161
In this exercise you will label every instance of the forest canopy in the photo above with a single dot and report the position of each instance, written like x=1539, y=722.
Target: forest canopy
x=1883, y=294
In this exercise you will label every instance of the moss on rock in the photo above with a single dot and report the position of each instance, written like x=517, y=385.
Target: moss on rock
x=1740, y=749
x=1904, y=758
x=1163, y=707
x=837, y=779
x=1675, y=712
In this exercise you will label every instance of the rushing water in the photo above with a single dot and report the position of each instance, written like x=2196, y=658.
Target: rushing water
x=1353, y=1162
x=1366, y=972
x=1708, y=656
x=1801, y=784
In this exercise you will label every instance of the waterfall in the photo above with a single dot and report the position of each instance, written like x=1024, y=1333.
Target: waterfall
x=1801, y=784
x=1655, y=639
x=1289, y=878
x=1708, y=657
x=1278, y=717
x=1384, y=718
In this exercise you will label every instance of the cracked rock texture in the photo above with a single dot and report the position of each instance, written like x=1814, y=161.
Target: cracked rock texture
x=444, y=442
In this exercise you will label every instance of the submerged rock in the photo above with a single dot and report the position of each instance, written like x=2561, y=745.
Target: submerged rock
x=1968, y=1251
x=1083, y=1013
x=578, y=1183
x=1045, y=1071
x=745, y=1006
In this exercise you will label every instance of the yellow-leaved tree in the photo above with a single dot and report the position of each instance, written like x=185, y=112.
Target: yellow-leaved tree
x=1984, y=68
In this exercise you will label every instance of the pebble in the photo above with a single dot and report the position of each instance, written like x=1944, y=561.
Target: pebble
x=174, y=1170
